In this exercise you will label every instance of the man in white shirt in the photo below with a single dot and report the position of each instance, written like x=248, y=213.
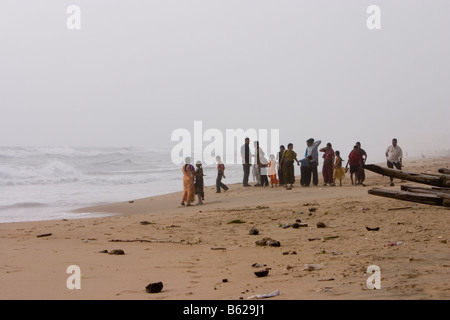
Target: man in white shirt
x=394, y=155
x=313, y=160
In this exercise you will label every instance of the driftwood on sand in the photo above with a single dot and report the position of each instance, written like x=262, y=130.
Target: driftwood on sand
x=438, y=195
x=442, y=180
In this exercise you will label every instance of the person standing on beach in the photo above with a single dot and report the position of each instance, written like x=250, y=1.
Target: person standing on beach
x=287, y=161
x=280, y=167
x=354, y=160
x=245, y=154
x=394, y=156
x=259, y=155
x=328, y=162
x=305, y=174
x=313, y=160
x=338, y=170
x=199, y=185
x=264, y=166
x=361, y=175
x=273, y=171
x=220, y=175
x=188, y=183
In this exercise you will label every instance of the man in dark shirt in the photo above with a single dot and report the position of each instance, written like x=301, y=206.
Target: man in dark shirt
x=361, y=175
x=245, y=154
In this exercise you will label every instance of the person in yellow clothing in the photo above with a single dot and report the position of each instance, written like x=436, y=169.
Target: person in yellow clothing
x=287, y=161
x=338, y=169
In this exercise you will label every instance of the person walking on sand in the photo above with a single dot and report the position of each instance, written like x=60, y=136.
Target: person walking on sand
x=313, y=160
x=188, y=183
x=338, y=170
x=220, y=175
x=394, y=157
x=328, y=162
x=246, y=155
x=287, y=161
x=199, y=185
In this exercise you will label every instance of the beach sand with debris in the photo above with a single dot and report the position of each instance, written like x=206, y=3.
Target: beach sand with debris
x=206, y=252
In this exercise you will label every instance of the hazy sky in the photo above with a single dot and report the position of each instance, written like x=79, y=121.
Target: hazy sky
x=138, y=70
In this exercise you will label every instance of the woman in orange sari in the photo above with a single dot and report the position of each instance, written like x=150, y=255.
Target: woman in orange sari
x=188, y=183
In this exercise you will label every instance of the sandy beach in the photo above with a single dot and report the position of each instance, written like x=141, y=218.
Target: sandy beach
x=192, y=250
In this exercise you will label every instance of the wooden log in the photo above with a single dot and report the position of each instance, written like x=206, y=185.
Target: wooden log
x=438, y=181
x=417, y=189
x=425, y=198
x=444, y=196
x=446, y=203
x=400, y=208
x=444, y=170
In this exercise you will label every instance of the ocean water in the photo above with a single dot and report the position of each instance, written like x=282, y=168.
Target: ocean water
x=46, y=183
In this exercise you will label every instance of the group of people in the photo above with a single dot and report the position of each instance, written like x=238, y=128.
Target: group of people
x=283, y=172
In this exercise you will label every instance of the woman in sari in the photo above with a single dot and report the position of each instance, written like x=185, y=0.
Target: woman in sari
x=287, y=161
x=328, y=162
x=188, y=183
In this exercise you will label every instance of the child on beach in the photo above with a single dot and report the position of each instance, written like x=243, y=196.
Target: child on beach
x=273, y=171
x=338, y=170
x=199, y=187
x=220, y=175
x=255, y=175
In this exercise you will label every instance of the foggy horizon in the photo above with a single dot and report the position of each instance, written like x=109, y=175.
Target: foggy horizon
x=138, y=70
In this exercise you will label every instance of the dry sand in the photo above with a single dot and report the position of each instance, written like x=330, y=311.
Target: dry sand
x=192, y=249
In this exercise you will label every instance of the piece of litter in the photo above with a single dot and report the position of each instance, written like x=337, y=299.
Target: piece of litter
x=266, y=295
x=44, y=235
x=312, y=267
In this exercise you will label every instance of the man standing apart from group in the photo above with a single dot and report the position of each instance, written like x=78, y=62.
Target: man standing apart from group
x=245, y=154
x=394, y=156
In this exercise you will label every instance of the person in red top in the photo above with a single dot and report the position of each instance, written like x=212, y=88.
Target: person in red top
x=220, y=175
x=327, y=169
x=355, y=162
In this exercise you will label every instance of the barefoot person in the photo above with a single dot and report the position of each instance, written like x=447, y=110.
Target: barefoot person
x=259, y=158
x=338, y=170
x=394, y=156
x=280, y=168
x=220, y=175
x=188, y=183
x=246, y=164
x=361, y=175
x=273, y=171
x=287, y=161
x=313, y=160
x=199, y=185
x=328, y=162
x=354, y=160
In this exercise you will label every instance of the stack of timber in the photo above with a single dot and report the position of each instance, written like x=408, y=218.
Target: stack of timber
x=438, y=195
